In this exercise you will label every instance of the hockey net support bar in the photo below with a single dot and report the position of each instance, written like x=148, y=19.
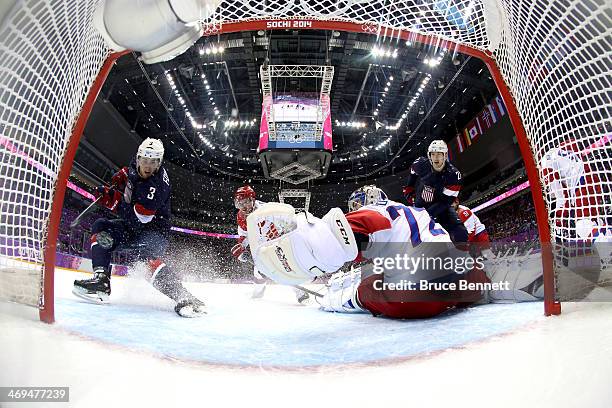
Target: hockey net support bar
x=548, y=60
x=47, y=311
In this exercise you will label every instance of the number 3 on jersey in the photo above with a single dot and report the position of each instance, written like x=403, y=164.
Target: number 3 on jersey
x=151, y=193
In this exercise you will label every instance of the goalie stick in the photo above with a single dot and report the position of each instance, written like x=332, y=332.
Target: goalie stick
x=311, y=292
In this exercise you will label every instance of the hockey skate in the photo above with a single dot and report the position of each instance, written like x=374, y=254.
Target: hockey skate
x=94, y=290
x=190, y=308
x=258, y=290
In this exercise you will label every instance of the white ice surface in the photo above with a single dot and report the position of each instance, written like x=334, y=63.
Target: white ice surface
x=272, y=352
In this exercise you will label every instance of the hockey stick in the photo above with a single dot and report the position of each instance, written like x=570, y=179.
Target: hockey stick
x=312, y=292
x=303, y=289
x=90, y=208
x=85, y=212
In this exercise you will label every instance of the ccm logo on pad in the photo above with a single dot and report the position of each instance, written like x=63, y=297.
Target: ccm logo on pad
x=343, y=232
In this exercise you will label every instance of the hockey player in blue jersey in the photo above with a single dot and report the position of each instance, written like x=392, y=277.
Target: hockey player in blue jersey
x=140, y=196
x=433, y=184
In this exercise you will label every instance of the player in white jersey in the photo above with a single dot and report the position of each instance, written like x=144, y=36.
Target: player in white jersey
x=384, y=228
x=304, y=247
x=574, y=191
x=245, y=202
x=478, y=237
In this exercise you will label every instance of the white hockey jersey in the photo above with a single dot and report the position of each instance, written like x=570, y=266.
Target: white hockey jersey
x=563, y=171
x=471, y=221
x=390, y=222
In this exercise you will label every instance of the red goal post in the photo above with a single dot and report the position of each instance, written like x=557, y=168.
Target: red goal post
x=547, y=59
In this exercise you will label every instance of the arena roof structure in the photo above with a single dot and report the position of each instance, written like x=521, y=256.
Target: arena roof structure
x=389, y=98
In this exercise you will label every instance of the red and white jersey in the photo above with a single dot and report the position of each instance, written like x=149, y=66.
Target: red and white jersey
x=571, y=182
x=471, y=221
x=242, y=224
x=393, y=222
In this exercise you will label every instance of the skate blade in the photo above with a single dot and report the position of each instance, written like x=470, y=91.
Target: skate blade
x=303, y=300
x=258, y=291
x=190, y=312
x=99, y=298
x=257, y=294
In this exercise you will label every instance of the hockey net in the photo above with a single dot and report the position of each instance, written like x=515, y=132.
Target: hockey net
x=550, y=60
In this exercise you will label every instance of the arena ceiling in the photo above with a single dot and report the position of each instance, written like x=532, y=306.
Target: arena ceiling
x=217, y=81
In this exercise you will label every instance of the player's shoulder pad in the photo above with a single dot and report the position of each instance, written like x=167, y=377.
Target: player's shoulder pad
x=161, y=181
x=420, y=165
x=367, y=221
x=453, y=174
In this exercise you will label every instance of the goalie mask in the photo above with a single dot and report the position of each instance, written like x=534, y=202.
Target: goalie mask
x=437, y=161
x=366, y=195
x=149, y=156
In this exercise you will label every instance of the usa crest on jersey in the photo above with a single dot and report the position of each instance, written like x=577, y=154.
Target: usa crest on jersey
x=427, y=194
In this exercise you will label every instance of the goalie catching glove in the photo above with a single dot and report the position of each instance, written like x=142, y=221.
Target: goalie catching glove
x=302, y=247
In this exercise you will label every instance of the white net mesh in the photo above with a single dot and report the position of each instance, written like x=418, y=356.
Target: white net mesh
x=50, y=54
x=460, y=20
x=554, y=56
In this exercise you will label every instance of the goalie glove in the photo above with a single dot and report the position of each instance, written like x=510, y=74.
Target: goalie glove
x=341, y=295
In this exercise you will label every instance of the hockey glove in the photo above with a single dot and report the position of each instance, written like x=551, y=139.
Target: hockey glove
x=409, y=195
x=110, y=197
x=238, y=250
x=120, y=178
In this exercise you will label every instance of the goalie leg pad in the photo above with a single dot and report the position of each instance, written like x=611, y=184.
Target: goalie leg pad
x=523, y=277
x=341, y=230
x=304, y=246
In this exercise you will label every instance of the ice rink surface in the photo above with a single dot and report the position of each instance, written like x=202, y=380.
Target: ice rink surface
x=272, y=351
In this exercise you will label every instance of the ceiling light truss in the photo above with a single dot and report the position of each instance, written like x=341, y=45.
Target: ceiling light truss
x=295, y=193
x=295, y=173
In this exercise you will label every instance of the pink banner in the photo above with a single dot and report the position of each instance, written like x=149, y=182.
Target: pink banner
x=202, y=233
x=502, y=196
x=327, y=124
x=263, y=124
